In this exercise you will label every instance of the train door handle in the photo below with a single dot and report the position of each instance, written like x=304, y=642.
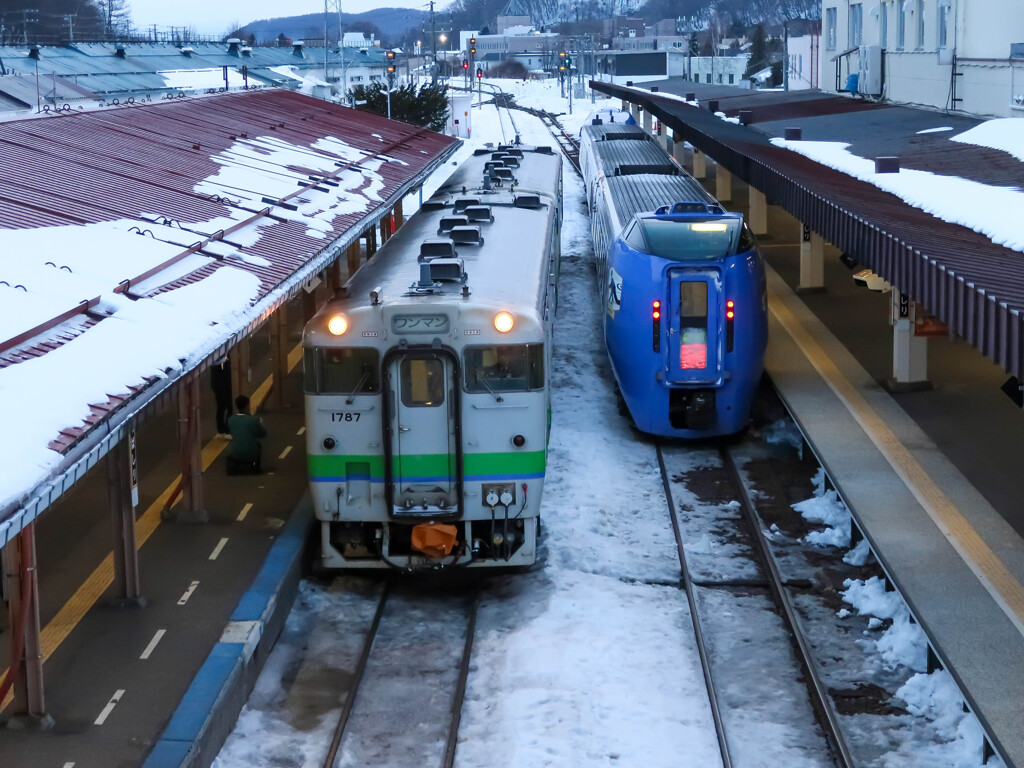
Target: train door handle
x=403, y=429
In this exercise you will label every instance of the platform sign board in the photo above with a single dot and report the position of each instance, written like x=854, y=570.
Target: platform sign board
x=132, y=455
x=904, y=305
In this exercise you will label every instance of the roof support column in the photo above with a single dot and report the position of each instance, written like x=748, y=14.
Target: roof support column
x=625, y=106
x=352, y=254
x=909, y=352
x=758, y=216
x=700, y=164
x=122, y=495
x=648, y=125
x=399, y=215
x=26, y=647
x=679, y=149
x=723, y=183
x=279, y=349
x=240, y=371
x=812, y=261
x=371, y=242
x=634, y=110
x=385, y=229
x=190, y=443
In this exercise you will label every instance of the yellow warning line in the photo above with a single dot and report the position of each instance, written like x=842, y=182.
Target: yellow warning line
x=99, y=581
x=986, y=565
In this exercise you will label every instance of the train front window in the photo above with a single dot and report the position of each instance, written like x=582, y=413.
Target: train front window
x=693, y=325
x=422, y=383
x=689, y=240
x=342, y=371
x=504, y=368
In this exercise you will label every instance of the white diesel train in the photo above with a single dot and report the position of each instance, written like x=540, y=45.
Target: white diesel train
x=427, y=378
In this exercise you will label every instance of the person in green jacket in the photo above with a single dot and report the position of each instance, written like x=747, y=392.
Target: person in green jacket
x=246, y=430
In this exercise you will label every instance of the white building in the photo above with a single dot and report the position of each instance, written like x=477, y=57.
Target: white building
x=804, y=62
x=958, y=54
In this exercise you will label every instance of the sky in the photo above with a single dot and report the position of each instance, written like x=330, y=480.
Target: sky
x=218, y=18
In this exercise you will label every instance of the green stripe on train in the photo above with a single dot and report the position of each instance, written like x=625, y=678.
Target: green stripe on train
x=509, y=463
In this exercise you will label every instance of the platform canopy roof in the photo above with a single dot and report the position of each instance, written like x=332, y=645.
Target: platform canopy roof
x=137, y=242
x=946, y=230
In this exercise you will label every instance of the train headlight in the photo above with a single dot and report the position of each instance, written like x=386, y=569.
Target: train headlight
x=503, y=322
x=337, y=325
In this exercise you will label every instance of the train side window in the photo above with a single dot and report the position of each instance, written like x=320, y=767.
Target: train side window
x=747, y=240
x=504, y=368
x=422, y=383
x=635, y=238
x=345, y=370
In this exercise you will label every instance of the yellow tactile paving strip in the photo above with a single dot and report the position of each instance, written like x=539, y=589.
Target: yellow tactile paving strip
x=983, y=562
x=99, y=581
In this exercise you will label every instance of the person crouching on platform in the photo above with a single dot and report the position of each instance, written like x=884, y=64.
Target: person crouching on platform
x=245, y=453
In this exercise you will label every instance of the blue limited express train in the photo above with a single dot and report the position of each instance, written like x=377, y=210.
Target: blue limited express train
x=682, y=289
x=427, y=380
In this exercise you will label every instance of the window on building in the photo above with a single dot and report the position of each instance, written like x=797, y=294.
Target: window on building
x=731, y=76
x=709, y=77
x=830, y=28
x=943, y=21
x=856, y=24
x=883, y=24
x=919, y=18
x=901, y=25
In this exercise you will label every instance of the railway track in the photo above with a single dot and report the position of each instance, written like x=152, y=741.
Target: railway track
x=760, y=577
x=415, y=657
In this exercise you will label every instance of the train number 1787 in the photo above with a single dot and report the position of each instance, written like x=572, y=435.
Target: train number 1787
x=337, y=416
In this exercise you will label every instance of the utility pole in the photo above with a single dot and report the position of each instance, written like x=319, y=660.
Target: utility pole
x=70, y=19
x=433, y=44
x=335, y=7
x=785, y=52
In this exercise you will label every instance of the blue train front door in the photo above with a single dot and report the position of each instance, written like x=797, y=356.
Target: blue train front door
x=694, y=353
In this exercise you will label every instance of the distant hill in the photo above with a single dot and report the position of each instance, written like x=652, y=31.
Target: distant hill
x=392, y=22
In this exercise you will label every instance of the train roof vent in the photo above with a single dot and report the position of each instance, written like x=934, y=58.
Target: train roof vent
x=526, y=201
x=467, y=236
x=545, y=150
x=479, y=213
x=461, y=203
x=516, y=152
x=437, y=248
x=435, y=204
x=689, y=206
x=447, y=222
x=492, y=164
x=447, y=270
x=505, y=174
x=499, y=155
x=510, y=162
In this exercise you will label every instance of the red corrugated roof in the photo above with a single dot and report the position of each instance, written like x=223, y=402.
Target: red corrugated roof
x=145, y=160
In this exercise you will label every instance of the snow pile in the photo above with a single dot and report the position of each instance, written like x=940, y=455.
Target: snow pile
x=904, y=642
x=826, y=508
x=784, y=432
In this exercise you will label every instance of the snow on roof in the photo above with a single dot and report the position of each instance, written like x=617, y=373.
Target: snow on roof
x=155, y=233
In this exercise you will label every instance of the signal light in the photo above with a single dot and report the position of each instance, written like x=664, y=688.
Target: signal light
x=472, y=51
x=479, y=73
x=472, y=41
x=465, y=64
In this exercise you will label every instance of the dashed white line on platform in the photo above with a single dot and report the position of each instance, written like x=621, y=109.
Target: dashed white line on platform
x=217, y=550
x=285, y=452
x=244, y=512
x=302, y=431
x=110, y=707
x=152, y=643
x=188, y=593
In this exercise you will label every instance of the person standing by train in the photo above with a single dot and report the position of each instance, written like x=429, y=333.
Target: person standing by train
x=220, y=383
x=245, y=455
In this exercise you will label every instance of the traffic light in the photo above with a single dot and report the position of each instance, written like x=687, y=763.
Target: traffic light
x=391, y=62
x=561, y=61
x=472, y=46
x=479, y=73
x=465, y=64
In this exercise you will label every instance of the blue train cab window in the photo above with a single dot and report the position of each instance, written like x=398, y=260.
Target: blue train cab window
x=689, y=240
x=342, y=371
x=635, y=239
x=422, y=382
x=693, y=325
x=504, y=368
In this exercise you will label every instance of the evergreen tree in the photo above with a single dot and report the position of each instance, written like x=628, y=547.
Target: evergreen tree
x=427, y=106
x=758, y=52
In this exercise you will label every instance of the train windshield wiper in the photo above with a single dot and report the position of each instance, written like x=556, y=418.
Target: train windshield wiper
x=488, y=387
x=359, y=386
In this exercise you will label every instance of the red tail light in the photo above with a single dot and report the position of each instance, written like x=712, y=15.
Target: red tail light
x=656, y=325
x=730, y=317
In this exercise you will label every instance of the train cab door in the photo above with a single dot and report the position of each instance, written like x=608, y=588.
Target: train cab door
x=694, y=352
x=424, y=456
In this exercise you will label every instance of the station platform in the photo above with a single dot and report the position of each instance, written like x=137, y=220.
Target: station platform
x=932, y=477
